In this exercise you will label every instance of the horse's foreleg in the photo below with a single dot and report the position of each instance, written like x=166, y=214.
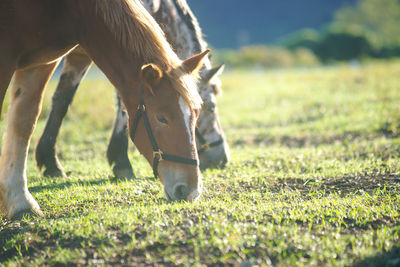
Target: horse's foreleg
x=23, y=111
x=117, y=151
x=5, y=78
x=75, y=67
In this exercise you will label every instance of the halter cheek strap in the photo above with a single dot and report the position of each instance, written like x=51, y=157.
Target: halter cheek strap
x=204, y=145
x=158, y=155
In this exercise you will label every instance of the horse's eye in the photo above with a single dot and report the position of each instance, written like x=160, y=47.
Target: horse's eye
x=162, y=119
x=210, y=107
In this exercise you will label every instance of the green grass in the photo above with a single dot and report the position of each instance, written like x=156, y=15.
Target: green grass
x=314, y=180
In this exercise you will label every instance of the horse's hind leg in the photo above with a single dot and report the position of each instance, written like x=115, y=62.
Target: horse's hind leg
x=117, y=151
x=75, y=67
x=23, y=111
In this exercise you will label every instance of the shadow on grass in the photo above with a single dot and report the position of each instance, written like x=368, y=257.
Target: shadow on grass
x=389, y=258
x=8, y=232
x=41, y=240
x=140, y=253
x=36, y=241
x=341, y=185
x=316, y=140
x=25, y=240
x=67, y=184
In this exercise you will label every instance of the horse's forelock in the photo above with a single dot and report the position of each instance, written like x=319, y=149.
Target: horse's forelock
x=186, y=85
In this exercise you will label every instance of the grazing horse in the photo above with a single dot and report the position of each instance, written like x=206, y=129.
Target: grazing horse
x=126, y=43
x=184, y=34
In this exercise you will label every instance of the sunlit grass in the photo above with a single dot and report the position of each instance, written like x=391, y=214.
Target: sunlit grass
x=314, y=180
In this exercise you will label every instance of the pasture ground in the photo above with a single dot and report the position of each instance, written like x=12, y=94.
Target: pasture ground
x=314, y=180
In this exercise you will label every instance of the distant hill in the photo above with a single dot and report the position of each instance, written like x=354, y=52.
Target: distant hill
x=233, y=23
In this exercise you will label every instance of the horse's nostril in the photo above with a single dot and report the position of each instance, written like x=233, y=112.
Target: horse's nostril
x=181, y=192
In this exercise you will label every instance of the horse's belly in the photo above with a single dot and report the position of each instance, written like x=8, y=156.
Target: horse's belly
x=41, y=56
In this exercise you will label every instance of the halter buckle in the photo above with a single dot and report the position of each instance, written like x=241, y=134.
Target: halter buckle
x=205, y=146
x=158, y=154
x=141, y=107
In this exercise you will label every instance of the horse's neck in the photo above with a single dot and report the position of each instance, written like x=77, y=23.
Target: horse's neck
x=119, y=64
x=180, y=26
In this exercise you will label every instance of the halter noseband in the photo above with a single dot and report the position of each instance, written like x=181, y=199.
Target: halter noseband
x=158, y=155
x=204, y=145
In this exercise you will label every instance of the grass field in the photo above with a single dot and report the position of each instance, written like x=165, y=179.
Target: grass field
x=314, y=180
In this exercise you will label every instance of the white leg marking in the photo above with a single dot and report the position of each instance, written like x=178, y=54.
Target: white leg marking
x=22, y=115
x=13, y=180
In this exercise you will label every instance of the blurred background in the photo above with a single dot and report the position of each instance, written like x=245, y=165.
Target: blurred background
x=286, y=33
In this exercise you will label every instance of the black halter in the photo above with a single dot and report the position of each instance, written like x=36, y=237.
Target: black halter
x=204, y=145
x=158, y=155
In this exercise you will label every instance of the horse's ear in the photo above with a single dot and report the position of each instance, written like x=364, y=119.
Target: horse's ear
x=193, y=64
x=150, y=75
x=207, y=75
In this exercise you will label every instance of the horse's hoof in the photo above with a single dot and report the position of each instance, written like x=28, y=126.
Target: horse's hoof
x=27, y=214
x=54, y=172
x=123, y=173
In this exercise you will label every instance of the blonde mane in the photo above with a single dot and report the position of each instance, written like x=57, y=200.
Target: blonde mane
x=135, y=29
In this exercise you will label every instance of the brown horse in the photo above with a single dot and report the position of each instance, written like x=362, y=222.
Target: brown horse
x=184, y=34
x=130, y=48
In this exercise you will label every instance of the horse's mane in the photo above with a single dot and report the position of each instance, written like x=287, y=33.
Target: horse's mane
x=184, y=11
x=135, y=29
x=190, y=20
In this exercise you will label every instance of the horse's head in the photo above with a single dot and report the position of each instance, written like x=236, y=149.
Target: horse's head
x=212, y=146
x=170, y=104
